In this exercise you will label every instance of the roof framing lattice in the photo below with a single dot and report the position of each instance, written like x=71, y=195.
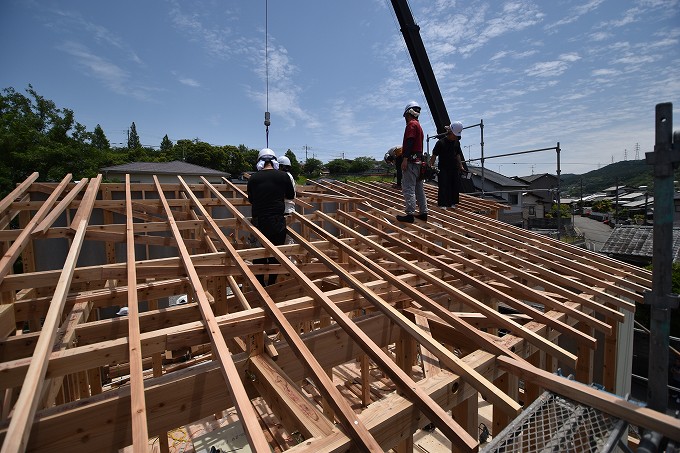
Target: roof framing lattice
x=443, y=311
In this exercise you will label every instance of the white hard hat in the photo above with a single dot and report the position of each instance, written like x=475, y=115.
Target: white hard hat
x=412, y=108
x=283, y=160
x=457, y=128
x=123, y=311
x=266, y=154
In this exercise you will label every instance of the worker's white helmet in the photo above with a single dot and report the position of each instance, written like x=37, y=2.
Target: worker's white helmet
x=266, y=154
x=283, y=160
x=457, y=128
x=412, y=108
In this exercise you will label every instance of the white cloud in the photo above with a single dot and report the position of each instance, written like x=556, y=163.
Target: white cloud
x=570, y=57
x=111, y=75
x=604, y=72
x=99, y=34
x=547, y=69
x=575, y=13
x=189, y=82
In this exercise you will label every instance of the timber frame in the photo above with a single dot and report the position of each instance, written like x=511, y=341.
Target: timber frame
x=445, y=310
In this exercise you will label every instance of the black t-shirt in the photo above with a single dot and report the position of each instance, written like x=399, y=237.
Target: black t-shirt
x=267, y=190
x=447, y=150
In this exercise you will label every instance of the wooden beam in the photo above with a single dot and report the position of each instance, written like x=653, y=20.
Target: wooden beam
x=24, y=237
x=140, y=432
x=243, y=404
x=27, y=403
x=7, y=320
x=295, y=410
x=65, y=339
x=54, y=214
x=18, y=191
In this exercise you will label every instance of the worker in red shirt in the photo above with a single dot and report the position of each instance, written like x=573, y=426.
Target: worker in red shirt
x=412, y=152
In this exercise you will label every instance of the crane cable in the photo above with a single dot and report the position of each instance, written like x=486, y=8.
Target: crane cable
x=267, y=122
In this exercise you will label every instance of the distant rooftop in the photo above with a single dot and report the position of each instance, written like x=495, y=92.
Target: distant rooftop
x=636, y=241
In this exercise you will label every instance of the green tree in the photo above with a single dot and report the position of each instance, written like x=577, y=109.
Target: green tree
x=312, y=168
x=166, y=145
x=338, y=166
x=35, y=135
x=295, y=167
x=206, y=155
x=99, y=139
x=564, y=209
x=238, y=159
x=250, y=157
x=602, y=206
x=362, y=164
x=133, y=139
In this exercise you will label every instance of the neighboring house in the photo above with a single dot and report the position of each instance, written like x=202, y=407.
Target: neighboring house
x=533, y=208
x=611, y=192
x=634, y=244
x=640, y=207
x=500, y=188
x=543, y=185
x=539, y=199
x=165, y=171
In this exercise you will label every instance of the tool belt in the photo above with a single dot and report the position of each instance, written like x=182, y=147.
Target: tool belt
x=427, y=172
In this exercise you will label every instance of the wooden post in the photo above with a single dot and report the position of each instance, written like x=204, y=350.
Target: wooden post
x=584, y=366
x=467, y=416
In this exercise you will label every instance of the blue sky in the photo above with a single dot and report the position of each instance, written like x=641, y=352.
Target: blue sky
x=586, y=74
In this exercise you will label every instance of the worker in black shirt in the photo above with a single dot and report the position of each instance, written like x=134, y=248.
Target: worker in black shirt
x=267, y=190
x=450, y=166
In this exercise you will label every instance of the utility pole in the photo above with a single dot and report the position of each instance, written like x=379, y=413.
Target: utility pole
x=306, y=148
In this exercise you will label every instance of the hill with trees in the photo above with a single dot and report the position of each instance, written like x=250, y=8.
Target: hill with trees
x=630, y=173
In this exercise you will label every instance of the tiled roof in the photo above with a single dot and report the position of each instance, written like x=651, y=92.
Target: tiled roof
x=496, y=178
x=176, y=167
x=638, y=241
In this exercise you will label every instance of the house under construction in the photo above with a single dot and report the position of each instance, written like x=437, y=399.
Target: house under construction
x=373, y=331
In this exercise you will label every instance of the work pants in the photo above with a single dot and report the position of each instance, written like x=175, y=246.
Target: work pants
x=412, y=188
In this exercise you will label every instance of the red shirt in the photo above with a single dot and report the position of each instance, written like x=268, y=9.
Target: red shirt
x=414, y=131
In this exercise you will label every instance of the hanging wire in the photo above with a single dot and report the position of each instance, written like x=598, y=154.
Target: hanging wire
x=267, y=122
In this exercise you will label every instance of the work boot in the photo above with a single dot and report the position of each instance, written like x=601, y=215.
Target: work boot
x=422, y=217
x=405, y=218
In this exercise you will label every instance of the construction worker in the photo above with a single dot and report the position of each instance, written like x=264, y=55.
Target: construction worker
x=394, y=157
x=450, y=166
x=284, y=165
x=412, y=152
x=267, y=190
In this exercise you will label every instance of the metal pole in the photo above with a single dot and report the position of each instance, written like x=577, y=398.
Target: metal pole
x=664, y=158
x=481, y=145
x=559, y=202
x=616, y=204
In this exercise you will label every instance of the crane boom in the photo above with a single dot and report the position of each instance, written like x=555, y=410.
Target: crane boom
x=421, y=62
